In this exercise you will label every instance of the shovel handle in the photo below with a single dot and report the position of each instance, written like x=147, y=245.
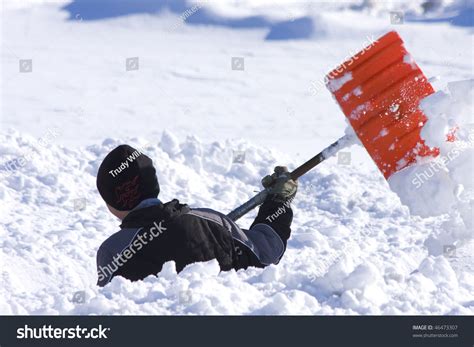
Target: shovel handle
x=258, y=199
x=320, y=157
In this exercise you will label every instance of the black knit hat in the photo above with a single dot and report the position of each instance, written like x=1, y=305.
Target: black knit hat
x=126, y=177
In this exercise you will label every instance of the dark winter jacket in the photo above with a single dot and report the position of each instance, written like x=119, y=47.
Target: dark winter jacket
x=155, y=233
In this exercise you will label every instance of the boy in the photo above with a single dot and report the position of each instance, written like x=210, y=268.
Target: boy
x=153, y=233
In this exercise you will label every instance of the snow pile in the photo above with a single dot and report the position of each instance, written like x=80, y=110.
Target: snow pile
x=435, y=186
x=354, y=249
x=444, y=185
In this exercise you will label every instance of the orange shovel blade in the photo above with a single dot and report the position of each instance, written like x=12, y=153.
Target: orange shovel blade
x=379, y=90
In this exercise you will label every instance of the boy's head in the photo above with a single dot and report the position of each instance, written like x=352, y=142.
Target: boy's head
x=125, y=178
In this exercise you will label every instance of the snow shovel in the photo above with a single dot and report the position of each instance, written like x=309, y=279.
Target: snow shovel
x=379, y=90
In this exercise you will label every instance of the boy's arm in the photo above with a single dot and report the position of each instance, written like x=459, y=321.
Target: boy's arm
x=276, y=210
x=104, y=262
x=278, y=215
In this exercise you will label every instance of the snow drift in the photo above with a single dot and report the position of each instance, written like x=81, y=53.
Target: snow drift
x=354, y=249
x=444, y=185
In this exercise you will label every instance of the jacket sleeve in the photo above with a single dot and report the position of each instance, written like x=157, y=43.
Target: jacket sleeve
x=277, y=215
x=104, y=261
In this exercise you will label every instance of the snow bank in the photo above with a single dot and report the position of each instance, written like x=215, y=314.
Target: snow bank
x=433, y=187
x=444, y=185
x=354, y=249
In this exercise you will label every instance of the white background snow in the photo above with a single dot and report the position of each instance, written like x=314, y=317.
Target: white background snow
x=355, y=248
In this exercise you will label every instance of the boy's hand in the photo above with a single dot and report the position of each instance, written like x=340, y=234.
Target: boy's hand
x=280, y=185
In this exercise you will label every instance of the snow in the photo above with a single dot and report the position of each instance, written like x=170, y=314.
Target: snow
x=358, y=112
x=444, y=185
x=357, y=247
x=336, y=83
x=357, y=92
x=436, y=180
x=408, y=59
x=382, y=133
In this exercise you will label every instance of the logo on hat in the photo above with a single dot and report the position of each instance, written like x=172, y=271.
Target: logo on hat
x=128, y=194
